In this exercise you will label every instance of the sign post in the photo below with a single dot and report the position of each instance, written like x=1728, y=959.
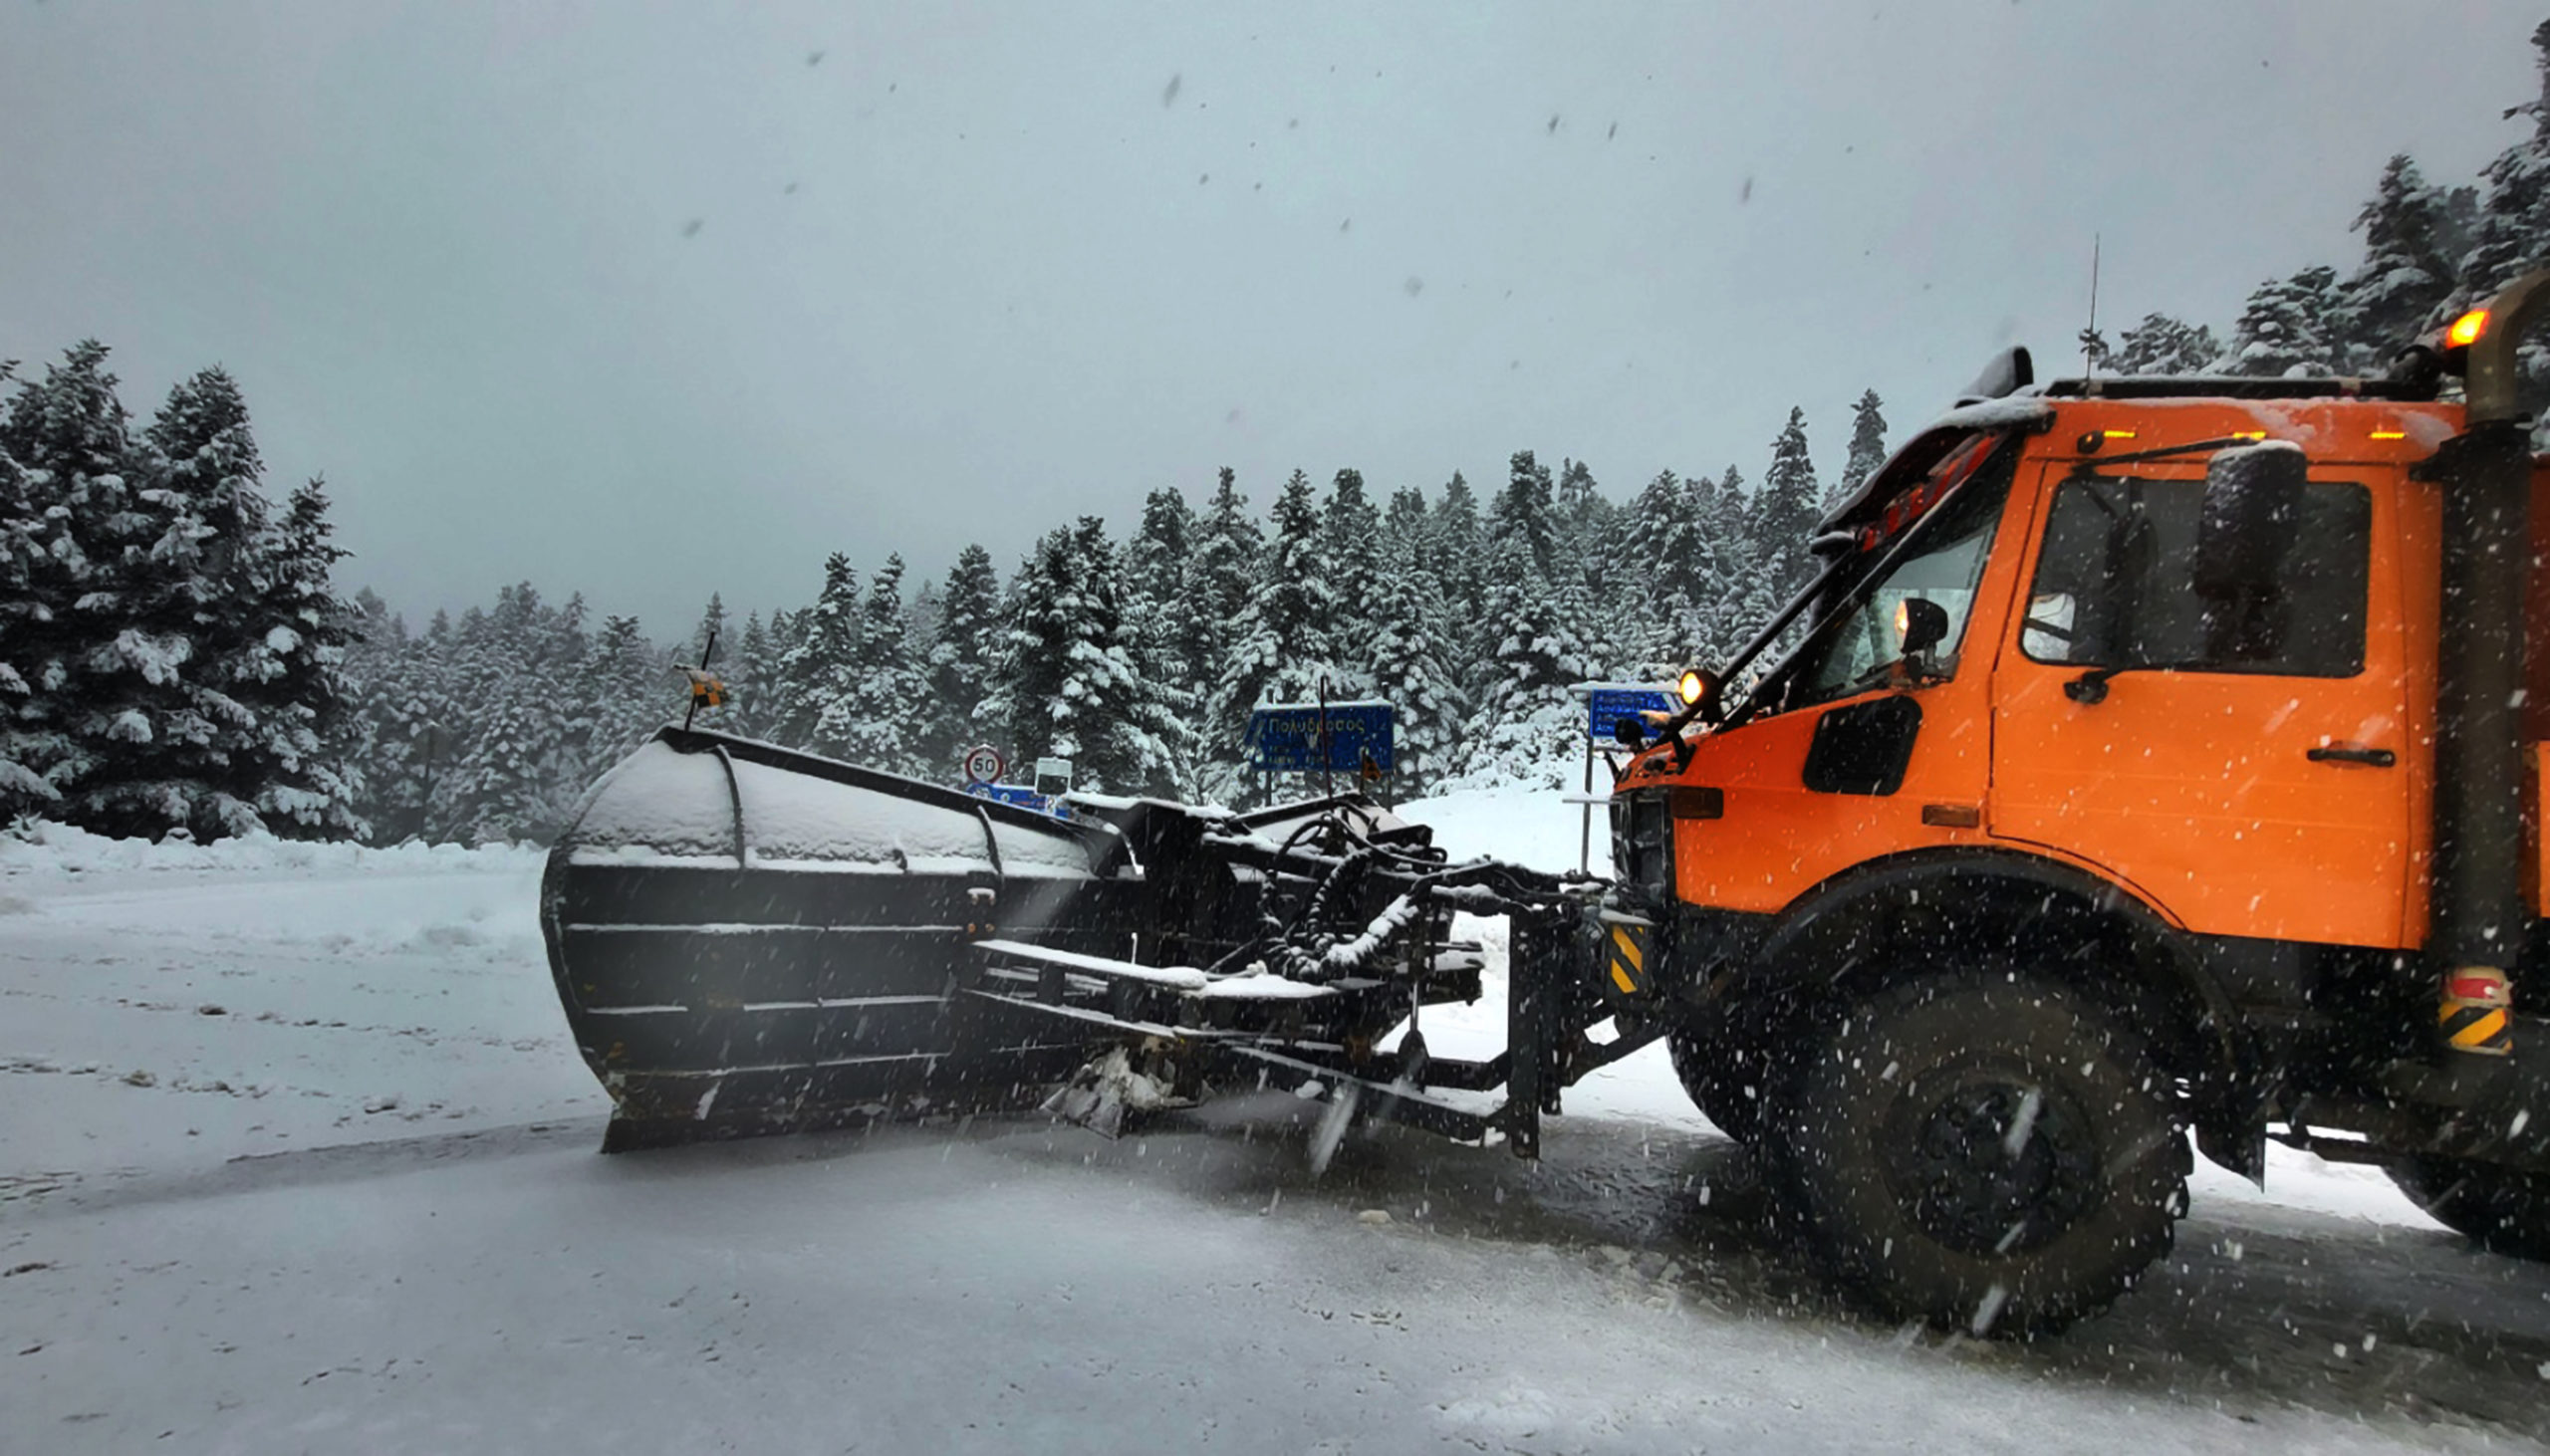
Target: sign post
x=1606, y=704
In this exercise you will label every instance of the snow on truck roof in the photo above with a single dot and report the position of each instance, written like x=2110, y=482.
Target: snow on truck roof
x=2299, y=411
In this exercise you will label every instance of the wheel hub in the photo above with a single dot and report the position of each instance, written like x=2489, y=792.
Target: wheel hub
x=1996, y=1165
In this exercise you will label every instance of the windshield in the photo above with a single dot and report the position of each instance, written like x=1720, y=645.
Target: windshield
x=1939, y=564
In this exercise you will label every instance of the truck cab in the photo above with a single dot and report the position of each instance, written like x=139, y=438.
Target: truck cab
x=2094, y=791
x=2239, y=765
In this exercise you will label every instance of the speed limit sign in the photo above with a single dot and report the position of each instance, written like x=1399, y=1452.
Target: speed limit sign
x=983, y=764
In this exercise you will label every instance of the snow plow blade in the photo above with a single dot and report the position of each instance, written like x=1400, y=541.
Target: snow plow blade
x=748, y=939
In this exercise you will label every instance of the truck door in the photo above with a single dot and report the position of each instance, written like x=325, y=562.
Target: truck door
x=2250, y=782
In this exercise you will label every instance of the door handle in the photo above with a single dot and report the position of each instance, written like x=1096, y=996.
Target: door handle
x=2379, y=758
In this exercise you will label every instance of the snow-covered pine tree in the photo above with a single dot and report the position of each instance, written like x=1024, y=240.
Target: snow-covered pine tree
x=516, y=719
x=438, y=720
x=961, y=659
x=23, y=615
x=1663, y=624
x=1156, y=558
x=712, y=627
x=2458, y=229
x=379, y=737
x=90, y=726
x=1525, y=726
x=875, y=718
x=2291, y=328
x=210, y=571
x=2511, y=235
x=1454, y=550
x=2162, y=344
x=1221, y=571
x=1868, y=448
x=1752, y=594
x=1654, y=521
x=1717, y=536
x=1350, y=553
x=1066, y=684
x=1590, y=572
x=1785, y=511
x=294, y=681
x=631, y=691
x=746, y=675
x=818, y=663
x=2407, y=272
x=1412, y=669
x=771, y=687
x=922, y=618
x=1525, y=513
x=1278, y=649
x=1404, y=531
x=1155, y=633
x=1587, y=520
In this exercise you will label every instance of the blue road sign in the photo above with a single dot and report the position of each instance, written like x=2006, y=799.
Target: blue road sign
x=1606, y=706
x=1285, y=739
x=1022, y=796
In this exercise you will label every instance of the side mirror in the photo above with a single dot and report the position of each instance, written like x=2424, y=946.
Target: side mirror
x=1631, y=732
x=1920, y=625
x=2252, y=506
x=2251, y=511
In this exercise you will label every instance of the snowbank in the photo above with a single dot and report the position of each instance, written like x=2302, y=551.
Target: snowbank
x=1534, y=827
x=43, y=847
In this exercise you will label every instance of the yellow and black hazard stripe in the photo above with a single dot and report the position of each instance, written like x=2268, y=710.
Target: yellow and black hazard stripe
x=1629, y=950
x=2476, y=1014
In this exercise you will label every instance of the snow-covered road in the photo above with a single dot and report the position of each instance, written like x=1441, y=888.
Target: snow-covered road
x=357, y=1208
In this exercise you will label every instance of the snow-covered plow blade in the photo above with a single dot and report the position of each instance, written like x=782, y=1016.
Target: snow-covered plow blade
x=748, y=939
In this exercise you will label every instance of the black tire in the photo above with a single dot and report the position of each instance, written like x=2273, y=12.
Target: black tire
x=2503, y=1210
x=1900, y=1128
x=1729, y=1089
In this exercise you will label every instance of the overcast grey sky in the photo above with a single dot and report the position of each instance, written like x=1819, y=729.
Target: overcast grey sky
x=963, y=271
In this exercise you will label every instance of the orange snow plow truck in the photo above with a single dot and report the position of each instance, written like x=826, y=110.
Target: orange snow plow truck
x=2147, y=758
x=2149, y=755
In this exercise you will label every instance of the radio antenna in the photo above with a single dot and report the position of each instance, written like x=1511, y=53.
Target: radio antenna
x=2090, y=336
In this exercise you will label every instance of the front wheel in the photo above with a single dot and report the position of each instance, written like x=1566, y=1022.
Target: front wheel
x=1725, y=1082
x=1985, y=1151
x=2499, y=1208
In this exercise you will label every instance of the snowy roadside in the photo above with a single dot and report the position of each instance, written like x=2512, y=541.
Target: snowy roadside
x=176, y=1006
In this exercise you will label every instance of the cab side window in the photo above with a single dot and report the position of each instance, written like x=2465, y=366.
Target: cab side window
x=2118, y=584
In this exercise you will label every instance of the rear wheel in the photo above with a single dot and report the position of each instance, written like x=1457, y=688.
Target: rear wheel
x=2499, y=1208
x=1985, y=1151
